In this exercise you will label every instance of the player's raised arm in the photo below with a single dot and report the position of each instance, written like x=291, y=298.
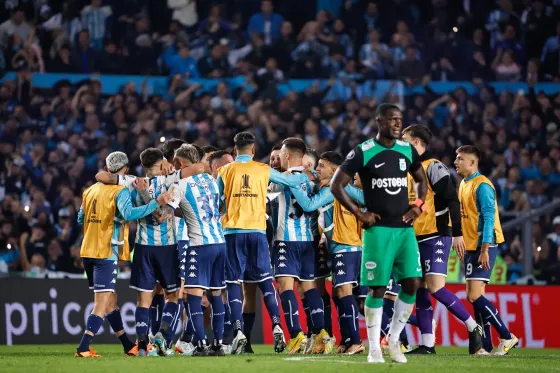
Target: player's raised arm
x=124, y=204
x=107, y=178
x=288, y=180
x=313, y=203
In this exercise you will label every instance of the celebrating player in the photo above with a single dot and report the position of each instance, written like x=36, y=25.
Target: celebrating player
x=293, y=254
x=389, y=243
x=434, y=232
x=198, y=198
x=104, y=213
x=243, y=185
x=483, y=232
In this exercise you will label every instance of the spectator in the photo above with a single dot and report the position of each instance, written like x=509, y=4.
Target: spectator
x=552, y=43
x=215, y=65
x=83, y=57
x=214, y=27
x=499, y=18
x=310, y=56
x=267, y=23
x=538, y=24
x=94, y=18
x=551, y=64
x=183, y=64
x=62, y=62
x=16, y=26
x=67, y=21
x=221, y=100
x=509, y=42
x=110, y=60
x=411, y=70
x=505, y=67
x=375, y=56
x=184, y=12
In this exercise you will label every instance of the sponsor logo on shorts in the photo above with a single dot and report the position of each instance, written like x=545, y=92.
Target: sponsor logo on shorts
x=341, y=272
x=193, y=260
x=339, y=264
x=184, y=261
x=113, y=281
x=115, y=272
x=281, y=257
x=322, y=259
x=281, y=251
x=193, y=252
x=322, y=266
x=439, y=243
x=439, y=251
x=192, y=268
x=115, y=262
x=439, y=260
x=182, y=267
x=371, y=265
x=192, y=275
x=281, y=265
x=370, y=275
x=338, y=256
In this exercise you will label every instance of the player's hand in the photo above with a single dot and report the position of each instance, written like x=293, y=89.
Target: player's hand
x=411, y=215
x=458, y=244
x=166, y=168
x=141, y=184
x=484, y=258
x=324, y=183
x=164, y=198
x=368, y=218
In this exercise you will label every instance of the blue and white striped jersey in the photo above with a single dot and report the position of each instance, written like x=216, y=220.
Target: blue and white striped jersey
x=293, y=223
x=198, y=198
x=150, y=232
x=181, y=229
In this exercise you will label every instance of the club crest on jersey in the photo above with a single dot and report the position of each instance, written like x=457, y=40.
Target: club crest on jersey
x=402, y=164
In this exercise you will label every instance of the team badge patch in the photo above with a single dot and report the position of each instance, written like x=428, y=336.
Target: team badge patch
x=402, y=164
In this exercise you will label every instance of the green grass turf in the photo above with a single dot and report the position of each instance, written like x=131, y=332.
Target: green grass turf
x=60, y=358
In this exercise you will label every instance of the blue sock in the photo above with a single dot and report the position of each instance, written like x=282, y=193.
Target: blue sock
x=307, y=316
x=142, y=317
x=218, y=313
x=156, y=309
x=291, y=312
x=270, y=301
x=115, y=320
x=486, y=331
x=328, y=313
x=167, y=317
x=248, y=322
x=196, y=317
x=350, y=320
x=388, y=307
x=187, y=327
x=413, y=320
x=228, y=329
x=235, y=305
x=93, y=324
x=339, y=311
x=173, y=327
x=385, y=323
x=317, y=310
x=486, y=308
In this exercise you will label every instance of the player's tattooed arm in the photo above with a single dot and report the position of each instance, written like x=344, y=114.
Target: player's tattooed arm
x=141, y=185
x=107, y=178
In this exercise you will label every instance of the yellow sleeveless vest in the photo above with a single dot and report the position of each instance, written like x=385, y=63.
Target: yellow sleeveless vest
x=100, y=205
x=470, y=215
x=347, y=230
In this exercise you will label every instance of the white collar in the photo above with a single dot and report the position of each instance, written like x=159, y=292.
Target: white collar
x=298, y=168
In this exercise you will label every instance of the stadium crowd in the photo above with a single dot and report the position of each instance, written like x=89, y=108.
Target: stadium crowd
x=54, y=141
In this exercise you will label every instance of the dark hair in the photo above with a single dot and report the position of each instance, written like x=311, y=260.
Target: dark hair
x=168, y=148
x=294, y=144
x=470, y=149
x=217, y=155
x=382, y=109
x=209, y=149
x=313, y=154
x=200, y=151
x=276, y=147
x=244, y=139
x=333, y=157
x=150, y=157
x=419, y=131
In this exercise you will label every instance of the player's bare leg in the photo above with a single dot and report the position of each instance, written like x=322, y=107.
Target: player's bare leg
x=93, y=324
x=485, y=310
x=249, y=311
x=349, y=310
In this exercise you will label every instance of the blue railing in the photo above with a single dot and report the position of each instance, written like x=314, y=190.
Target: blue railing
x=112, y=84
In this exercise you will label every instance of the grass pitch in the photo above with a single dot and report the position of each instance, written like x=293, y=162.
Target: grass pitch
x=60, y=358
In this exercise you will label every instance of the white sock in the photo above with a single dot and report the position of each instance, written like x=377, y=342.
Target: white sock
x=428, y=340
x=400, y=317
x=373, y=323
x=470, y=324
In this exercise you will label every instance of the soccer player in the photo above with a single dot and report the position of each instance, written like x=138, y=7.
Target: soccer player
x=310, y=159
x=343, y=236
x=205, y=159
x=104, y=214
x=249, y=289
x=389, y=243
x=218, y=159
x=243, y=185
x=435, y=236
x=198, y=199
x=293, y=253
x=482, y=232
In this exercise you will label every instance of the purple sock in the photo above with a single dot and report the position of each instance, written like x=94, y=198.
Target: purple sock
x=270, y=301
x=291, y=312
x=316, y=310
x=424, y=311
x=486, y=308
x=453, y=304
x=413, y=320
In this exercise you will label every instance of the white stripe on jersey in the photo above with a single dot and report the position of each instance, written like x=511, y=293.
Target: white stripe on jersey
x=293, y=223
x=149, y=231
x=181, y=229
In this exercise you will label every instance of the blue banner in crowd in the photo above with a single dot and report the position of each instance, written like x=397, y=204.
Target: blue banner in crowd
x=112, y=84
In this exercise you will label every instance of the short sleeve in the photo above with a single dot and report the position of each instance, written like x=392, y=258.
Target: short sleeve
x=354, y=162
x=178, y=193
x=126, y=181
x=170, y=179
x=415, y=162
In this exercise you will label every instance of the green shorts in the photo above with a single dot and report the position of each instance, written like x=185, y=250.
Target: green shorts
x=389, y=250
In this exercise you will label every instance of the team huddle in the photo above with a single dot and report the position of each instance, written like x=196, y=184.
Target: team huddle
x=212, y=229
